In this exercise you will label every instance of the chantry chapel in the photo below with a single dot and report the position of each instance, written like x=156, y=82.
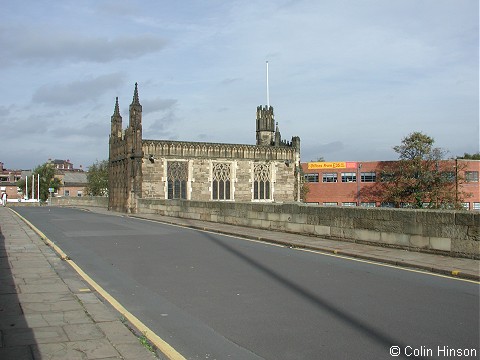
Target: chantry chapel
x=140, y=168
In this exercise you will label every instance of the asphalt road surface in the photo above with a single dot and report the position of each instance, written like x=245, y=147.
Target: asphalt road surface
x=212, y=296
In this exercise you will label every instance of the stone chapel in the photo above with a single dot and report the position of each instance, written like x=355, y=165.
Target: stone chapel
x=139, y=168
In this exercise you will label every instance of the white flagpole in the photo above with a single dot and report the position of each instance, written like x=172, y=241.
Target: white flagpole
x=26, y=187
x=33, y=186
x=268, y=95
x=38, y=187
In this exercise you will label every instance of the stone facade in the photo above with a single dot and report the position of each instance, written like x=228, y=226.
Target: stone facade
x=161, y=169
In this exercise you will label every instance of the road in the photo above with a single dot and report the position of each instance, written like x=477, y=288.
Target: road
x=212, y=296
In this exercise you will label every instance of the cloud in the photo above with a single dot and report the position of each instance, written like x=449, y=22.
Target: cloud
x=229, y=81
x=90, y=130
x=4, y=111
x=157, y=104
x=36, y=45
x=78, y=91
x=161, y=128
x=21, y=124
x=124, y=8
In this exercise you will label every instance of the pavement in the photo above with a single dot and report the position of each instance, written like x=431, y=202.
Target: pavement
x=48, y=311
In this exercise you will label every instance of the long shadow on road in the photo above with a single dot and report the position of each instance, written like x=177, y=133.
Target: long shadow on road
x=377, y=336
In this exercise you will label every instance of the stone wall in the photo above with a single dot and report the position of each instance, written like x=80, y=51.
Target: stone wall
x=449, y=232
x=453, y=232
x=95, y=201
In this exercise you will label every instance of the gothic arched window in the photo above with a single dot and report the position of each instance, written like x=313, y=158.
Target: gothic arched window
x=221, y=181
x=177, y=177
x=261, y=182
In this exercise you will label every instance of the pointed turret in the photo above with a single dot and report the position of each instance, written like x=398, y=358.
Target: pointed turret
x=135, y=110
x=135, y=100
x=278, y=136
x=116, y=111
x=116, y=129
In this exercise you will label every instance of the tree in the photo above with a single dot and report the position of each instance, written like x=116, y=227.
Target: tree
x=468, y=156
x=97, y=179
x=418, y=179
x=304, y=189
x=47, y=180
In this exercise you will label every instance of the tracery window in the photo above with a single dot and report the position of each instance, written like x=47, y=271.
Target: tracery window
x=177, y=177
x=221, y=181
x=261, y=182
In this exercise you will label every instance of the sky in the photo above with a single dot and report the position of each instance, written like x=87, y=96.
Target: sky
x=351, y=78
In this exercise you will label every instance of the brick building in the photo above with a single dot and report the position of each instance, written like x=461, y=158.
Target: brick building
x=138, y=168
x=8, y=182
x=62, y=164
x=73, y=183
x=344, y=183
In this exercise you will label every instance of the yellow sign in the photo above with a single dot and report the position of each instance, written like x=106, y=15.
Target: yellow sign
x=331, y=165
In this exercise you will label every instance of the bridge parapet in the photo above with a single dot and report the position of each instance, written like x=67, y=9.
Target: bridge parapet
x=450, y=232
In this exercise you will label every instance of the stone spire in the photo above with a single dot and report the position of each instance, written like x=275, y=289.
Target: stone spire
x=135, y=110
x=116, y=121
x=116, y=112
x=135, y=101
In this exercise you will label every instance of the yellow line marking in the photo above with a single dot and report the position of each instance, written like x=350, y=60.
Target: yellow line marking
x=161, y=344
x=164, y=347
x=84, y=290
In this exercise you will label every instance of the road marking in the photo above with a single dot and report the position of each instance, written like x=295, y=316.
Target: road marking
x=334, y=252
x=161, y=344
x=454, y=272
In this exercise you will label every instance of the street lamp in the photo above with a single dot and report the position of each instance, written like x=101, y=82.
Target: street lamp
x=358, y=182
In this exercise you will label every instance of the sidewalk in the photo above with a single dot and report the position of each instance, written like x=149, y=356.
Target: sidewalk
x=47, y=311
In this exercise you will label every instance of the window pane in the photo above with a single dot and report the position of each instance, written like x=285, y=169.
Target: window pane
x=221, y=190
x=215, y=190
x=227, y=190
x=311, y=178
x=176, y=189
x=329, y=177
x=349, y=177
x=183, y=189
x=471, y=176
x=329, y=204
x=170, y=189
x=368, y=177
x=448, y=176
